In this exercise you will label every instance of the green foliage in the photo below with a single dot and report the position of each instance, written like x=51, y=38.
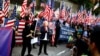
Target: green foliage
x=88, y=4
x=19, y=2
x=57, y=5
x=97, y=11
x=38, y=4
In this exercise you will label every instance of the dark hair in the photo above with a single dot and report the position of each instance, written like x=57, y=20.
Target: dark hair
x=95, y=36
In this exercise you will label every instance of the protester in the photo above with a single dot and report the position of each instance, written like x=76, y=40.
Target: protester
x=94, y=44
x=57, y=34
x=27, y=36
x=44, y=38
x=80, y=44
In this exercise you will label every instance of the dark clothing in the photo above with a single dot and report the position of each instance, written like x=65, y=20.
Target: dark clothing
x=13, y=42
x=43, y=42
x=34, y=24
x=26, y=18
x=81, y=47
x=13, y=39
x=57, y=32
x=26, y=40
x=26, y=43
x=43, y=32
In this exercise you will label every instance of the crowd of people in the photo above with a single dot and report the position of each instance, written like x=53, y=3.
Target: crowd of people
x=85, y=37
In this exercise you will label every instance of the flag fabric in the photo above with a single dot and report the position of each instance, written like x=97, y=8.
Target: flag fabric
x=1, y=12
x=17, y=22
x=32, y=6
x=21, y=26
x=81, y=8
x=31, y=10
x=1, y=1
x=23, y=8
x=10, y=22
x=5, y=41
x=88, y=19
x=48, y=12
x=6, y=6
x=62, y=10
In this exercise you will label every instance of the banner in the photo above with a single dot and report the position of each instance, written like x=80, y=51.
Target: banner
x=5, y=41
x=65, y=32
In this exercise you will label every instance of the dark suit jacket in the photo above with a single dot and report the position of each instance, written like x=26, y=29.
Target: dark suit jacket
x=26, y=30
x=43, y=32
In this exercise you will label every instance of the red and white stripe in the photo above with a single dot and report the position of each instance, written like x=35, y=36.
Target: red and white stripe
x=10, y=23
x=48, y=13
x=1, y=17
x=6, y=7
x=51, y=14
x=31, y=16
x=1, y=14
x=20, y=29
x=23, y=8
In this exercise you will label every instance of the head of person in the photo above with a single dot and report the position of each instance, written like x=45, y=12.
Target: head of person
x=75, y=27
x=94, y=43
x=45, y=23
x=85, y=28
x=78, y=35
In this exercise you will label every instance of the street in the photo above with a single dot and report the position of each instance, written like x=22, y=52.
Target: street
x=60, y=50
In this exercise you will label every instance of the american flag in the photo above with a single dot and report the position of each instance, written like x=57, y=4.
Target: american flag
x=62, y=10
x=21, y=26
x=31, y=10
x=32, y=4
x=10, y=22
x=1, y=12
x=6, y=6
x=48, y=12
x=1, y=1
x=23, y=8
